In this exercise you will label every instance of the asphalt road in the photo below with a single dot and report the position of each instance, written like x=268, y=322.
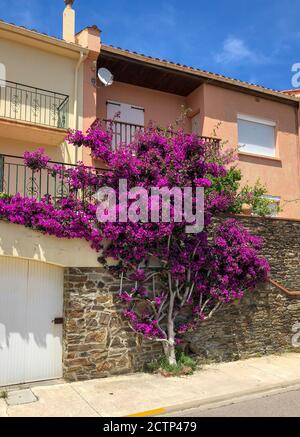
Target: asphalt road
x=285, y=404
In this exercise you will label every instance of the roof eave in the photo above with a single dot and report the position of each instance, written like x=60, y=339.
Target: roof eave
x=207, y=77
x=42, y=38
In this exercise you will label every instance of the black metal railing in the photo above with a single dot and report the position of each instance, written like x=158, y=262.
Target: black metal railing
x=211, y=140
x=33, y=105
x=122, y=133
x=125, y=133
x=16, y=177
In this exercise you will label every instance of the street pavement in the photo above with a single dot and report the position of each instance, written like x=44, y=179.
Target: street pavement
x=285, y=404
x=148, y=394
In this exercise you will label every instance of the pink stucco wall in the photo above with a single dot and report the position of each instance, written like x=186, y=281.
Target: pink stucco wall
x=217, y=109
x=89, y=102
x=195, y=104
x=281, y=175
x=161, y=108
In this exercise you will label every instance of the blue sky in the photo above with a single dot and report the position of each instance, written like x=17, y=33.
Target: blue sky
x=255, y=41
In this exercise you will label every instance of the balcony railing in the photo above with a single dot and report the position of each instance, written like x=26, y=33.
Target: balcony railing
x=124, y=133
x=15, y=178
x=211, y=140
x=33, y=105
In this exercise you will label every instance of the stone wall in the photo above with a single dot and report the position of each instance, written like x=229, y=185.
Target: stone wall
x=98, y=341
x=261, y=323
x=281, y=247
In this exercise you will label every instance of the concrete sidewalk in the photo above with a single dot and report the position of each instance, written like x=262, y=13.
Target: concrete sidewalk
x=128, y=395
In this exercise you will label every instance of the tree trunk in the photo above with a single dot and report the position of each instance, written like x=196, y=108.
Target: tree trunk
x=170, y=346
x=172, y=355
x=169, y=349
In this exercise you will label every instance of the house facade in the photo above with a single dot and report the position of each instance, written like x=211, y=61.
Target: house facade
x=41, y=97
x=57, y=88
x=43, y=93
x=263, y=124
x=57, y=309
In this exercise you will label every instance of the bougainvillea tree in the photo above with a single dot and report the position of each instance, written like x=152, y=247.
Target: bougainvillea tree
x=165, y=271
x=170, y=280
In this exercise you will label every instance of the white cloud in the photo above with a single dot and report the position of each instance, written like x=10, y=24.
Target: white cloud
x=235, y=50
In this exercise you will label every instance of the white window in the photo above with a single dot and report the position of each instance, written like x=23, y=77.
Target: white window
x=130, y=120
x=127, y=113
x=256, y=136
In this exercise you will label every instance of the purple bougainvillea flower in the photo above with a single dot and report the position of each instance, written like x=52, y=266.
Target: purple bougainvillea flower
x=36, y=160
x=169, y=273
x=202, y=182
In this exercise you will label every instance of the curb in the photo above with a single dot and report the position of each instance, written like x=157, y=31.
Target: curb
x=226, y=399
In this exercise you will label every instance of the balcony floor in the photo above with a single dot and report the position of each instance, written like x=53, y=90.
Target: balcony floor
x=31, y=133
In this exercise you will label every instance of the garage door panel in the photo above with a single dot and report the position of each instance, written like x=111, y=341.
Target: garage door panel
x=45, y=303
x=13, y=333
x=31, y=296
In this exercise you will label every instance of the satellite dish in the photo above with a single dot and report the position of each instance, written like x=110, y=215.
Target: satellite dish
x=105, y=76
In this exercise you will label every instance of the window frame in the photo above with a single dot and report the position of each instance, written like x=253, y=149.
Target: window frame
x=257, y=120
x=132, y=106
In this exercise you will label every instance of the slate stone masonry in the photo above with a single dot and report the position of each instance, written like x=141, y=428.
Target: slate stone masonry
x=261, y=323
x=98, y=341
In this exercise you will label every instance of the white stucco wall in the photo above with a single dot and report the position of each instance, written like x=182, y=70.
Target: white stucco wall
x=47, y=68
x=18, y=241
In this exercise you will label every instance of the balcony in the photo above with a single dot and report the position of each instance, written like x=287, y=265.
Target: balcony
x=32, y=114
x=15, y=178
x=124, y=133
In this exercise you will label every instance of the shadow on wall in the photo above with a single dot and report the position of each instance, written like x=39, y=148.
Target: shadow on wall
x=17, y=148
x=36, y=336
x=31, y=297
x=259, y=160
x=21, y=242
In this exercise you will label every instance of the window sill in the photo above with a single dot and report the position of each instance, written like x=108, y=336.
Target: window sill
x=254, y=155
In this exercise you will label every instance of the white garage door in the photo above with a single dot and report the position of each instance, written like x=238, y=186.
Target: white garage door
x=31, y=297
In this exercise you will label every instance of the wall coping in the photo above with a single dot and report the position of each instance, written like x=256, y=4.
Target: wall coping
x=255, y=217
x=285, y=290
x=19, y=241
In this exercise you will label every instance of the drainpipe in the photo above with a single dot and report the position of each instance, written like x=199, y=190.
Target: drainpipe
x=81, y=59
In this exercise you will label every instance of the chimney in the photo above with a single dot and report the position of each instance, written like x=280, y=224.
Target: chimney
x=69, y=22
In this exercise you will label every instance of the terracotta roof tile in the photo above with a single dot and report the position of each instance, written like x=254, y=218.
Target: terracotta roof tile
x=37, y=32
x=198, y=70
